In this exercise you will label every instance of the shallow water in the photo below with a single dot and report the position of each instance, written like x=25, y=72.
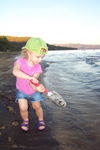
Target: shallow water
x=76, y=76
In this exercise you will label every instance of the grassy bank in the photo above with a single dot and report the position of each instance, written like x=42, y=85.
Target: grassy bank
x=8, y=43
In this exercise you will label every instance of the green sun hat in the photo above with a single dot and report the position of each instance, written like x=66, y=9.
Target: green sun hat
x=36, y=45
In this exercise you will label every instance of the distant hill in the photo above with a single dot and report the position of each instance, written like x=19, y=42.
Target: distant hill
x=81, y=46
x=9, y=43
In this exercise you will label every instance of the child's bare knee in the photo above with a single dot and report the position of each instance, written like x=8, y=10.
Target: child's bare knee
x=36, y=106
x=24, y=109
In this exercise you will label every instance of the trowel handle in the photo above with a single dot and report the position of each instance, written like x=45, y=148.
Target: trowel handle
x=37, y=84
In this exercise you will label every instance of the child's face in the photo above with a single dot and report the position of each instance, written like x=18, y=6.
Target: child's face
x=36, y=58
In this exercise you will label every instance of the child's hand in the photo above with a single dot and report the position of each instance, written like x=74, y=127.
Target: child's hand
x=40, y=88
x=34, y=80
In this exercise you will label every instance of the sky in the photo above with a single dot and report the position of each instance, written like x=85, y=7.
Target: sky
x=55, y=21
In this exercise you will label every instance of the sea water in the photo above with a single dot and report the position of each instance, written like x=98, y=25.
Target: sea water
x=75, y=74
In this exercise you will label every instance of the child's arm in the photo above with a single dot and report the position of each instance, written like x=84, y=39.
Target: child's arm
x=18, y=73
x=40, y=88
x=36, y=75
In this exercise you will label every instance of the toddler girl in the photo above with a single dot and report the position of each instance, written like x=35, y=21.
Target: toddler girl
x=25, y=69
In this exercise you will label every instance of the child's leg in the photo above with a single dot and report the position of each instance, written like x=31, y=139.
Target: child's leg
x=23, y=106
x=39, y=112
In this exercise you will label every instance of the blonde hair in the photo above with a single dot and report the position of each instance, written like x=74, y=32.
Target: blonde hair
x=24, y=53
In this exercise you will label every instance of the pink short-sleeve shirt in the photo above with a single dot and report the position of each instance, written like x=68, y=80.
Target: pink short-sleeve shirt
x=23, y=84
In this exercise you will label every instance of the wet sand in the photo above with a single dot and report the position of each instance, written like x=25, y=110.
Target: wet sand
x=11, y=137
